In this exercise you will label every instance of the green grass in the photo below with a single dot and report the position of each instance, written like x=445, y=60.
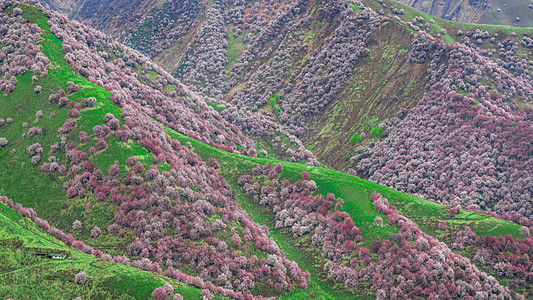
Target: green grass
x=152, y=75
x=234, y=50
x=169, y=88
x=272, y=102
x=376, y=132
x=216, y=106
x=27, y=184
x=356, y=8
x=356, y=138
x=356, y=194
x=27, y=276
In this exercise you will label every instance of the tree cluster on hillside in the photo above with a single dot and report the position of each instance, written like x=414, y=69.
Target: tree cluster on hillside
x=177, y=220
x=19, y=52
x=297, y=209
x=181, y=109
x=308, y=88
x=411, y=264
x=204, y=69
x=164, y=25
x=261, y=125
x=186, y=112
x=467, y=142
x=506, y=257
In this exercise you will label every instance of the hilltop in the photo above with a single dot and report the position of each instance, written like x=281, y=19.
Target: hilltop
x=122, y=161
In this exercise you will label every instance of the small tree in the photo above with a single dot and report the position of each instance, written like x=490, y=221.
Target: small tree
x=71, y=193
x=3, y=142
x=453, y=212
x=162, y=292
x=377, y=132
x=524, y=230
x=80, y=278
x=213, y=163
x=76, y=225
x=73, y=113
x=101, y=144
x=83, y=137
x=95, y=232
x=442, y=226
x=114, y=169
x=272, y=102
x=339, y=204
x=206, y=295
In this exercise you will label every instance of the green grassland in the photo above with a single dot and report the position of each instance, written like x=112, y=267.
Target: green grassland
x=234, y=50
x=356, y=194
x=27, y=184
x=23, y=275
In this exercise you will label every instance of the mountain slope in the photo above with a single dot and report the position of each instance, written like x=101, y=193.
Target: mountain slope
x=140, y=173
x=356, y=195
x=483, y=12
x=76, y=188
x=26, y=275
x=243, y=30
x=380, y=86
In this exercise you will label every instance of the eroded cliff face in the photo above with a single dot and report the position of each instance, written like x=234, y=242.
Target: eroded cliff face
x=496, y=12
